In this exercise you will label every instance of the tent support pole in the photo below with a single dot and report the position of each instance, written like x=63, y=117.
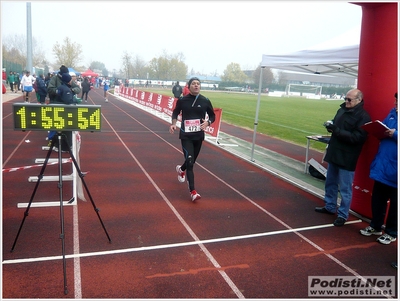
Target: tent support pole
x=256, y=118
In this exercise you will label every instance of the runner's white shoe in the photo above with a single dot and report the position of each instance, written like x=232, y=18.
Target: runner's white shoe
x=194, y=195
x=181, y=174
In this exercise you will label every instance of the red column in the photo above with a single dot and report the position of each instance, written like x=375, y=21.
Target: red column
x=377, y=79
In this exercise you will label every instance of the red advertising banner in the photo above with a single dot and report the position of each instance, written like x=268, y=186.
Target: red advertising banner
x=213, y=129
x=164, y=104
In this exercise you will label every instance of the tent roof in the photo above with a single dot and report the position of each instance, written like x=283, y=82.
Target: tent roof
x=342, y=61
x=89, y=73
x=73, y=70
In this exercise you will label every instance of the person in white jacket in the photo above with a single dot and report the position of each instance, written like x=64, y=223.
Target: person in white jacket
x=27, y=85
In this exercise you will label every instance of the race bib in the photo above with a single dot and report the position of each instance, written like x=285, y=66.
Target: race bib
x=192, y=125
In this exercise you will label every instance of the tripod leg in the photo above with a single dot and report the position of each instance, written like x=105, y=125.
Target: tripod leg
x=40, y=177
x=81, y=175
x=60, y=186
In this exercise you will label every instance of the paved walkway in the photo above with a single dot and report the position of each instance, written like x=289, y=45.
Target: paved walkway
x=10, y=96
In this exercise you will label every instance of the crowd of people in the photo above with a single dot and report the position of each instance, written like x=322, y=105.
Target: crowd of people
x=28, y=83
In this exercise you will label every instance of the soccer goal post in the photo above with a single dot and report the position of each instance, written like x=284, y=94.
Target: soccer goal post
x=309, y=91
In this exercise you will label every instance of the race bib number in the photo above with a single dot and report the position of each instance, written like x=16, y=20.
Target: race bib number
x=192, y=125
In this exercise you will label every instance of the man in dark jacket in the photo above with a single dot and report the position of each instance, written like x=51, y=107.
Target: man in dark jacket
x=56, y=81
x=41, y=89
x=342, y=154
x=63, y=91
x=86, y=88
x=177, y=90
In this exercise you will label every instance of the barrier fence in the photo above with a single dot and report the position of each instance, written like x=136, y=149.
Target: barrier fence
x=163, y=104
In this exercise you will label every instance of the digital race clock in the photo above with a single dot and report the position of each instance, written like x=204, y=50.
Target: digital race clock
x=56, y=117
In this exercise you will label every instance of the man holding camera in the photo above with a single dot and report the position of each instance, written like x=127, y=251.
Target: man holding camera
x=342, y=154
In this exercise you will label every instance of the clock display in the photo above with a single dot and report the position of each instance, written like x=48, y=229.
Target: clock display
x=56, y=117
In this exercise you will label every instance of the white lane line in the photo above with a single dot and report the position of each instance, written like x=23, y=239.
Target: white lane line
x=77, y=260
x=234, y=288
x=347, y=268
x=350, y=270
x=174, y=245
x=197, y=241
x=16, y=148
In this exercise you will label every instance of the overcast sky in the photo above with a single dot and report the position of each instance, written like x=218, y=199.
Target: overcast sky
x=210, y=34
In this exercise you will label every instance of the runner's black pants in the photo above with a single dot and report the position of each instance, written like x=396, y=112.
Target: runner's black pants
x=191, y=149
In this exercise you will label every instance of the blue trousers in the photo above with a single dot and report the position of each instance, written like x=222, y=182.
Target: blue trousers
x=338, y=180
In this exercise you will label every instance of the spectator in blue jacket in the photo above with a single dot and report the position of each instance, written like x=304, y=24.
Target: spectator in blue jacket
x=384, y=173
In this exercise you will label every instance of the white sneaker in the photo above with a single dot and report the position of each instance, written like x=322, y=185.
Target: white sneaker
x=369, y=231
x=106, y=100
x=195, y=196
x=386, y=239
x=181, y=174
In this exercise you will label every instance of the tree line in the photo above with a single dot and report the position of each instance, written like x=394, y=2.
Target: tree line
x=166, y=67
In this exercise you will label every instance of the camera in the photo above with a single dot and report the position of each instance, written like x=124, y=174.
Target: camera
x=327, y=123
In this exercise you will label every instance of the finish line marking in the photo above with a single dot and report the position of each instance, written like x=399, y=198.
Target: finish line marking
x=175, y=245
x=32, y=166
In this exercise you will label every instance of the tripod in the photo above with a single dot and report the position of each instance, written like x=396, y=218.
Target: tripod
x=60, y=137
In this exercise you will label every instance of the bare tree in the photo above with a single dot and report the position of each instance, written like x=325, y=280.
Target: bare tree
x=267, y=78
x=168, y=67
x=15, y=50
x=68, y=54
x=96, y=65
x=140, y=68
x=282, y=78
x=127, y=64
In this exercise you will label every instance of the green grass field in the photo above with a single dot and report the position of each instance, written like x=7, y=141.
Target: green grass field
x=287, y=118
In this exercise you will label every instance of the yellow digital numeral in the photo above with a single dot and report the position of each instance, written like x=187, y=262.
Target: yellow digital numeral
x=22, y=113
x=95, y=119
x=47, y=122
x=58, y=120
x=82, y=121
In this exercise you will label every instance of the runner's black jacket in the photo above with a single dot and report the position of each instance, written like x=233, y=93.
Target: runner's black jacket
x=193, y=108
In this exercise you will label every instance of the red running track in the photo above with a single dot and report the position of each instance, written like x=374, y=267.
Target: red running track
x=250, y=236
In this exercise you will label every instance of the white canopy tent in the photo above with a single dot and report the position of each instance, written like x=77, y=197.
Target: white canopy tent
x=342, y=61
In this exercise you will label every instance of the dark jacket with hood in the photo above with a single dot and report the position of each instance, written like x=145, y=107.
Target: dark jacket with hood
x=55, y=82
x=348, y=137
